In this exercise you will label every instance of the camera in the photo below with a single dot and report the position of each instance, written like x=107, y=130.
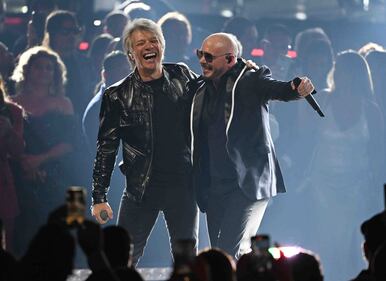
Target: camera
x=76, y=205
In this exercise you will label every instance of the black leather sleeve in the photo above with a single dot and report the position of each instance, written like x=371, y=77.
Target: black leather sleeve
x=107, y=147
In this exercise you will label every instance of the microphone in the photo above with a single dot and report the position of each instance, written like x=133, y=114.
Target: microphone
x=104, y=216
x=310, y=99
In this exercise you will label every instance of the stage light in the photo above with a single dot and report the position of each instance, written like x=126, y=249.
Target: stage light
x=286, y=251
x=227, y=13
x=24, y=9
x=83, y=46
x=301, y=16
x=97, y=22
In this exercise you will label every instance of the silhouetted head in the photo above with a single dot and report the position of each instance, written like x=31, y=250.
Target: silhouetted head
x=117, y=246
x=220, y=265
x=115, y=22
x=276, y=42
x=374, y=232
x=115, y=67
x=50, y=255
x=305, y=266
x=343, y=80
x=245, y=31
x=177, y=31
x=61, y=32
x=98, y=49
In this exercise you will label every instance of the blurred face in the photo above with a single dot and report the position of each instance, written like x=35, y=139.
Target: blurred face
x=42, y=71
x=66, y=38
x=212, y=57
x=176, y=36
x=6, y=62
x=147, y=53
x=117, y=73
x=249, y=40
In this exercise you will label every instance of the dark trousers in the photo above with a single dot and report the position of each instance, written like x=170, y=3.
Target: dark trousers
x=180, y=211
x=232, y=220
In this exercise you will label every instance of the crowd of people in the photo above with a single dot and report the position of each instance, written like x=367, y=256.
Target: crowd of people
x=63, y=112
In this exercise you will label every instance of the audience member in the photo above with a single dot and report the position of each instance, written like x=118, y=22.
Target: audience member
x=374, y=232
x=115, y=68
x=61, y=35
x=115, y=22
x=345, y=165
x=118, y=250
x=298, y=122
x=97, y=52
x=245, y=31
x=305, y=266
x=47, y=165
x=11, y=148
x=6, y=68
x=275, y=44
x=34, y=35
x=177, y=31
x=315, y=55
x=377, y=64
x=50, y=255
x=220, y=265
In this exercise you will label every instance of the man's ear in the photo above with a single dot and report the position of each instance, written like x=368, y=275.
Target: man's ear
x=103, y=75
x=365, y=249
x=130, y=55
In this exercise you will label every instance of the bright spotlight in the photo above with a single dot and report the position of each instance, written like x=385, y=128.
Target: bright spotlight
x=97, y=22
x=227, y=13
x=301, y=16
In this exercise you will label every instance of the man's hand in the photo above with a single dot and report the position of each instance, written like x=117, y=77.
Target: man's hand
x=305, y=87
x=97, y=209
x=251, y=64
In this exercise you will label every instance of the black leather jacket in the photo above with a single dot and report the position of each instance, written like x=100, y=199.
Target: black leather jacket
x=126, y=115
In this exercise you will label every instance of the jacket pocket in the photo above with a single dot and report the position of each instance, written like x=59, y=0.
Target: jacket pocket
x=131, y=155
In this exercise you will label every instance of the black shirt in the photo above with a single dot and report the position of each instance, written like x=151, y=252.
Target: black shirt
x=223, y=175
x=171, y=156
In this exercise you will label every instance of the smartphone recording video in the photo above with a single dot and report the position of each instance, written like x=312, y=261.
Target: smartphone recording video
x=76, y=205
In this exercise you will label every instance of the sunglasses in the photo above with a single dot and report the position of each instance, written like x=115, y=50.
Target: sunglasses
x=209, y=57
x=68, y=31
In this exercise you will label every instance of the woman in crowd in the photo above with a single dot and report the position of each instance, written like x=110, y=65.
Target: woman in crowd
x=46, y=170
x=343, y=177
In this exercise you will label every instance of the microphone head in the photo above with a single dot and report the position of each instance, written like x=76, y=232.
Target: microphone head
x=104, y=216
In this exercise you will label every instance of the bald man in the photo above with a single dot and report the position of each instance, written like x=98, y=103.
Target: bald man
x=236, y=171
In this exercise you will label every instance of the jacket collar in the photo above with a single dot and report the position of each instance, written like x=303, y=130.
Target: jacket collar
x=169, y=86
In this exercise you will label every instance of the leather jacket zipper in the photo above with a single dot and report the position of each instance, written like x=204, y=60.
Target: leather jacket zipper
x=147, y=176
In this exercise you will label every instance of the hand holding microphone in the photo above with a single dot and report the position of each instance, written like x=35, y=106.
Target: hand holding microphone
x=102, y=212
x=310, y=99
x=104, y=216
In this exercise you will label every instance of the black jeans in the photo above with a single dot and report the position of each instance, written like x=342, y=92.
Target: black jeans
x=178, y=204
x=233, y=219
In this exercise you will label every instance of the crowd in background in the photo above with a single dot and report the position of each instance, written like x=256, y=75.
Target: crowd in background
x=49, y=105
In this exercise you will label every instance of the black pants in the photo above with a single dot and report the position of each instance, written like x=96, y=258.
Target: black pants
x=178, y=204
x=233, y=219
